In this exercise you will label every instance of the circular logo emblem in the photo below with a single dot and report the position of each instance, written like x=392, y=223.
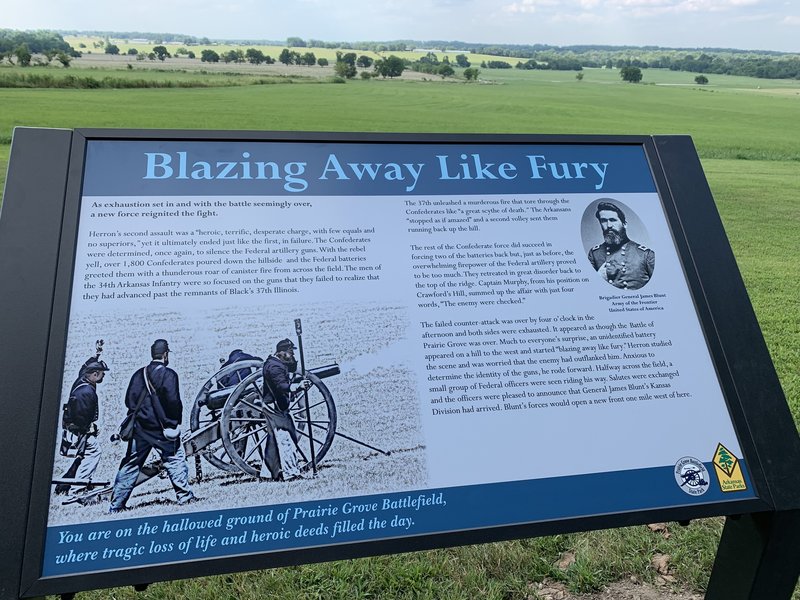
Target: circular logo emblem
x=691, y=476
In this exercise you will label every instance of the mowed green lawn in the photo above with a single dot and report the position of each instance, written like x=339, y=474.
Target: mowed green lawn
x=748, y=141
x=724, y=123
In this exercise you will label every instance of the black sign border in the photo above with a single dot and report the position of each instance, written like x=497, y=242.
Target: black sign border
x=36, y=262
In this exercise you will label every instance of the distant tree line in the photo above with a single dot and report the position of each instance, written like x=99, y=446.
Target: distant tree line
x=156, y=38
x=757, y=66
x=25, y=48
x=38, y=42
x=762, y=63
x=552, y=63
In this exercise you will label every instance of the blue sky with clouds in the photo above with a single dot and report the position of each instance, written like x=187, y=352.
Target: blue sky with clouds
x=746, y=24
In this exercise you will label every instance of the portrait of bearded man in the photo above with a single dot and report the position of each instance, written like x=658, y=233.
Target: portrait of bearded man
x=620, y=261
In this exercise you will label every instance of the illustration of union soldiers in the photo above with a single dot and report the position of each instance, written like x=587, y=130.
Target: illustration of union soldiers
x=79, y=418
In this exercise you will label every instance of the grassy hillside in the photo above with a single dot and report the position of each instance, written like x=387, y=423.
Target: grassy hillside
x=725, y=122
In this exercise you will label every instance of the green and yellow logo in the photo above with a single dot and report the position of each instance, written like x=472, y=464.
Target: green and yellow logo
x=729, y=471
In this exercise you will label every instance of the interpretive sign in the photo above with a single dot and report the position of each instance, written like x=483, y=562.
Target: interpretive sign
x=338, y=345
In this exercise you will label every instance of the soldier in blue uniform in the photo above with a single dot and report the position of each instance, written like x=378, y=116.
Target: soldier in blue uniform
x=279, y=382
x=155, y=390
x=79, y=421
x=235, y=378
x=620, y=261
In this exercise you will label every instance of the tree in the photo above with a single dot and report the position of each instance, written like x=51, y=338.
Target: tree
x=461, y=61
x=64, y=59
x=23, y=55
x=308, y=59
x=445, y=70
x=349, y=58
x=345, y=69
x=631, y=74
x=364, y=61
x=701, y=79
x=392, y=66
x=236, y=56
x=322, y=62
x=725, y=459
x=285, y=56
x=112, y=49
x=254, y=56
x=161, y=53
x=209, y=56
x=190, y=54
x=295, y=42
x=132, y=52
x=430, y=58
x=471, y=74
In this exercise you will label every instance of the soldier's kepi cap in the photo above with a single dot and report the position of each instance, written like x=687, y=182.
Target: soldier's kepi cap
x=158, y=348
x=94, y=364
x=285, y=344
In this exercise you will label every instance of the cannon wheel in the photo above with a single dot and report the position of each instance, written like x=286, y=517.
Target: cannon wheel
x=202, y=415
x=245, y=426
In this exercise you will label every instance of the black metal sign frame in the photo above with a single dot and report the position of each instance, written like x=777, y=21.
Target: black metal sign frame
x=40, y=218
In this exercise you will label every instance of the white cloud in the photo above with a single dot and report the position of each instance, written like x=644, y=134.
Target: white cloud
x=573, y=9
x=581, y=18
x=764, y=24
x=531, y=6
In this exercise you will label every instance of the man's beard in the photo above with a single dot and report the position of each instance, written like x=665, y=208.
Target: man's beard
x=615, y=238
x=287, y=359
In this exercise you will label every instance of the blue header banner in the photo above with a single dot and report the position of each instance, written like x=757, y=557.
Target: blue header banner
x=252, y=168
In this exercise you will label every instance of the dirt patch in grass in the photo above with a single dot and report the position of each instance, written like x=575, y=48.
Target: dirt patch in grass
x=621, y=590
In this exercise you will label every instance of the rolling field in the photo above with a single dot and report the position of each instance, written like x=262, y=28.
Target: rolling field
x=746, y=131
x=724, y=123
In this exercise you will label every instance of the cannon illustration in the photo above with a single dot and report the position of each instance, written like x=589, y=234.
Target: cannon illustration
x=233, y=417
x=231, y=421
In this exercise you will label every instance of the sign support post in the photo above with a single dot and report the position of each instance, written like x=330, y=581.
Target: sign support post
x=757, y=557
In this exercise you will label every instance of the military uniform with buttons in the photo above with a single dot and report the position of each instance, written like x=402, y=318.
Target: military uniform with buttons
x=628, y=266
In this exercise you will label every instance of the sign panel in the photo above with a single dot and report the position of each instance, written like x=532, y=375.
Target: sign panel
x=496, y=334
x=243, y=350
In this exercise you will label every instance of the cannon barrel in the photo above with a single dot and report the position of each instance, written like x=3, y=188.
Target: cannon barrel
x=326, y=371
x=216, y=399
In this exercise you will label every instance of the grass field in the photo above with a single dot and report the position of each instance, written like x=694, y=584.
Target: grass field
x=746, y=131
x=725, y=123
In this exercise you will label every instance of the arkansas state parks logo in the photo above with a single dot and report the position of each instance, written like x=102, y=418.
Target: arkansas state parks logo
x=729, y=471
x=691, y=476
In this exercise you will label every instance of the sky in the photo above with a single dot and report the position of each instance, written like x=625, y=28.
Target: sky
x=743, y=24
